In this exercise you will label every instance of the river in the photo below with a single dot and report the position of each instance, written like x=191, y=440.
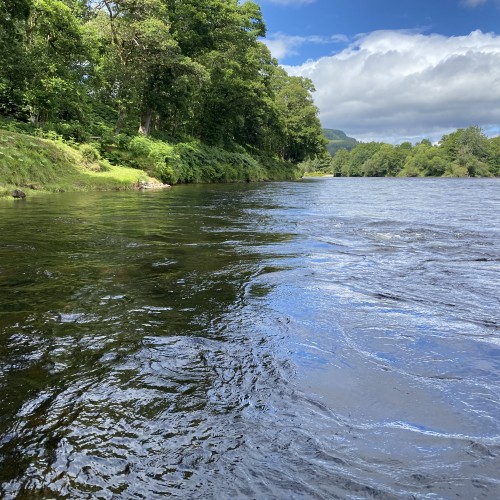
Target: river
x=330, y=338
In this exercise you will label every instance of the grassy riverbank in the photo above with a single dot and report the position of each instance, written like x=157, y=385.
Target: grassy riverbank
x=33, y=164
x=36, y=164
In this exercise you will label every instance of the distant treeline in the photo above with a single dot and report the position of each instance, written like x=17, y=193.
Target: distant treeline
x=176, y=70
x=465, y=152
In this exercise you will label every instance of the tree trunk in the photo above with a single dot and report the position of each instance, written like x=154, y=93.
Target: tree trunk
x=38, y=118
x=173, y=123
x=145, y=125
x=119, y=121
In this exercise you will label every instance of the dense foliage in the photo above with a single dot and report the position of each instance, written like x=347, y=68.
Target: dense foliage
x=190, y=71
x=465, y=152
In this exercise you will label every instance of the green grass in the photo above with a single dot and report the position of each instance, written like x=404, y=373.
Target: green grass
x=49, y=164
x=318, y=174
x=34, y=165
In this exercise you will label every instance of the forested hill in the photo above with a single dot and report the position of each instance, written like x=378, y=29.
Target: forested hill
x=179, y=71
x=337, y=140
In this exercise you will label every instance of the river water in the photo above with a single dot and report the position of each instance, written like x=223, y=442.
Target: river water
x=331, y=338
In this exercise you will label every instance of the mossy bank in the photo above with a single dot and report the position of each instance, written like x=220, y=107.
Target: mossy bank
x=37, y=164
x=40, y=165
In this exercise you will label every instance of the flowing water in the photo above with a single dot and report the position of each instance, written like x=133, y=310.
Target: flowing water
x=332, y=338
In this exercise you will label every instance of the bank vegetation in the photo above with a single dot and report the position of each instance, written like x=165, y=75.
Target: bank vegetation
x=183, y=90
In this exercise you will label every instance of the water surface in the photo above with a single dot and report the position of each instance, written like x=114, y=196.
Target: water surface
x=335, y=338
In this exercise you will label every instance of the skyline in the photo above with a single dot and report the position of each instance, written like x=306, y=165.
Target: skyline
x=396, y=71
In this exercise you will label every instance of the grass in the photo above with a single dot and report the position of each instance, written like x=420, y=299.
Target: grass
x=52, y=164
x=34, y=165
x=318, y=174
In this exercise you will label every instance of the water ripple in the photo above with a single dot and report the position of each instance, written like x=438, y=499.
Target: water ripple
x=327, y=339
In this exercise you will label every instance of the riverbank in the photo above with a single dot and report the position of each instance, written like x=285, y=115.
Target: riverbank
x=317, y=174
x=43, y=164
x=36, y=165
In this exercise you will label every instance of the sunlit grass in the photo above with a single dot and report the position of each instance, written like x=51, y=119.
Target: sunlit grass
x=39, y=165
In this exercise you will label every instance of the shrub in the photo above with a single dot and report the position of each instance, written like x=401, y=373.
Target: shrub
x=89, y=153
x=140, y=146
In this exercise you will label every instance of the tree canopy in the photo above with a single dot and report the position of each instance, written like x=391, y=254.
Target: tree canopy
x=465, y=152
x=176, y=69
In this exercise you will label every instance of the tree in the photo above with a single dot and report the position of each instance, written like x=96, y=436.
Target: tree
x=321, y=163
x=467, y=150
x=178, y=68
x=233, y=104
x=300, y=133
x=202, y=26
x=494, y=155
x=359, y=155
x=340, y=163
x=137, y=47
x=56, y=58
x=237, y=98
x=387, y=161
x=424, y=160
x=13, y=17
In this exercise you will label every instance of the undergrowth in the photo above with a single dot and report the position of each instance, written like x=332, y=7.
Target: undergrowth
x=52, y=160
x=35, y=164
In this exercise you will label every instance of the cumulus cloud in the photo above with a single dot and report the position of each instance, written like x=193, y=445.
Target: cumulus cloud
x=395, y=85
x=282, y=45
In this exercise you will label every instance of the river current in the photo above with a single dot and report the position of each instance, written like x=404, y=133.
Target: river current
x=331, y=338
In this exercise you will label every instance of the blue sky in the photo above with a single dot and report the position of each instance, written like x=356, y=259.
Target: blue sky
x=393, y=70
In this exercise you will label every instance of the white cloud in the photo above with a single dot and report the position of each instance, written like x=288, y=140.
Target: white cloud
x=394, y=85
x=282, y=45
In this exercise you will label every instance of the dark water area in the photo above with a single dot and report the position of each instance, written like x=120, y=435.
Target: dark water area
x=332, y=338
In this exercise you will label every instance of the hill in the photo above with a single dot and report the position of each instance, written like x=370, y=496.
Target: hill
x=338, y=140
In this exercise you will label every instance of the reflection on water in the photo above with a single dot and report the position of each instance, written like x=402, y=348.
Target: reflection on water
x=331, y=338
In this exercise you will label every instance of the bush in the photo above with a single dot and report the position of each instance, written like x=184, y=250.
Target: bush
x=89, y=153
x=70, y=130
x=140, y=146
x=187, y=162
x=456, y=170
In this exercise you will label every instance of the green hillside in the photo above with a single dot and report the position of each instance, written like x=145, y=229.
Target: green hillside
x=337, y=139
x=35, y=164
